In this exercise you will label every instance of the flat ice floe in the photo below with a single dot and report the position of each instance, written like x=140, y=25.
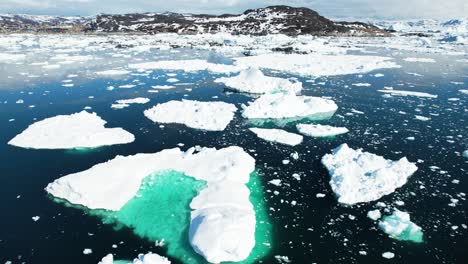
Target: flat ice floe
x=358, y=176
x=223, y=220
x=320, y=130
x=113, y=72
x=127, y=102
x=212, y=116
x=399, y=226
x=278, y=135
x=408, y=93
x=186, y=65
x=149, y=258
x=270, y=106
x=317, y=64
x=79, y=130
x=425, y=60
x=253, y=81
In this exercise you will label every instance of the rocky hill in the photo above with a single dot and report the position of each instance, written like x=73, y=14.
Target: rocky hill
x=263, y=21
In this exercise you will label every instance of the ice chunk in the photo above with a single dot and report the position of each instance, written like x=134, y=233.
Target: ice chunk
x=374, y=214
x=408, y=93
x=288, y=106
x=320, y=130
x=125, y=103
x=186, y=65
x=278, y=135
x=108, y=259
x=463, y=91
x=388, y=255
x=358, y=176
x=212, y=116
x=113, y=72
x=79, y=130
x=222, y=226
x=465, y=154
x=254, y=81
x=149, y=258
x=399, y=226
x=425, y=60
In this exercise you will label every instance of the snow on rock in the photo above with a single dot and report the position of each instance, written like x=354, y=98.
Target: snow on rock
x=316, y=64
x=288, y=106
x=126, y=103
x=408, y=93
x=186, y=65
x=425, y=60
x=212, y=116
x=320, y=130
x=278, y=135
x=253, y=81
x=358, y=176
x=399, y=226
x=79, y=130
x=222, y=226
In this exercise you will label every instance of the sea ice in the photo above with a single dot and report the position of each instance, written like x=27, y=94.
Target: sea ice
x=288, y=106
x=426, y=60
x=320, y=130
x=358, y=176
x=374, y=214
x=408, y=93
x=126, y=102
x=253, y=81
x=399, y=226
x=113, y=72
x=212, y=116
x=222, y=226
x=149, y=258
x=278, y=135
x=79, y=130
x=186, y=65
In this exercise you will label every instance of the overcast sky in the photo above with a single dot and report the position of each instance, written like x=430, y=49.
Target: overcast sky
x=386, y=9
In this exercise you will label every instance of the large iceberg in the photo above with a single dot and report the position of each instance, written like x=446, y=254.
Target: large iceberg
x=212, y=116
x=278, y=135
x=288, y=106
x=320, y=130
x=222, y=226
x=79, y=130
x=253, y=81
x=358, y=176
x=399, y=226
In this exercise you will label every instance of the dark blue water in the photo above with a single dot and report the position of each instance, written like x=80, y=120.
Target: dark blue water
x=315, y=230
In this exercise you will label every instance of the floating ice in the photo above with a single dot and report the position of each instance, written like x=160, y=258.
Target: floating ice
x=388, y=255
x=126, y=103
x=317, y=64
x=288, y=106
x=79, y=130
x=463, y=91
x=149, y=258
x=113, y=72
x=222, y=226
x=425, y=60
x=186, y=65
x=278, y=135
x=358, y=176
x=253, y=81
x=212, y=116
x=408, y=93
x=374, y=214
x=362, y=84
x=465, y=154
x=422, y=118
x=399, y=226
x=320, y=130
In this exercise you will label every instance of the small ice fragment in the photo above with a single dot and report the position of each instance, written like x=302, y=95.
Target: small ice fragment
x=388, y=255
x=374, y=214
x=87, y=251
x=35, y=218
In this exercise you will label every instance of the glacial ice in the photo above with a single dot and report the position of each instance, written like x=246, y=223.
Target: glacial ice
x=126, y=102
x=78, y=130
x=222, y=227
x=358, y=176
x=253, y=81
x=313, y=130
x=408, y=93
x=316, y=64
x=212, y=116
x=399, y=226
x=278, y=135
x=288, y=106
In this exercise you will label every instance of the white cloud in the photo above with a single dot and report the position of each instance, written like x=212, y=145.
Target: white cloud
x=335, y=8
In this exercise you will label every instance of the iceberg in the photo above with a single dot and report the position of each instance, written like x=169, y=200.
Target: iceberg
x=222, y=227
x=408, y=93
x=358, y=176
x=399, y=226
x=211, y=116
x=271, y=106
x=253, y=81
x=78, y=130
x=320, y=130
x=278, y=135
x=126, y=102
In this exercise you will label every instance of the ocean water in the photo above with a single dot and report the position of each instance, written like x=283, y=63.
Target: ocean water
x=308, y=230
